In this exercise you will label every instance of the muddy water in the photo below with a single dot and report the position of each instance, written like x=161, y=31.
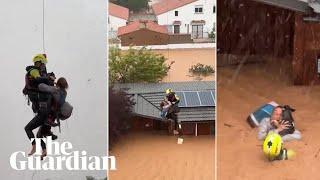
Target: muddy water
x=184, y=59
x=239, y=151
x=156, y=156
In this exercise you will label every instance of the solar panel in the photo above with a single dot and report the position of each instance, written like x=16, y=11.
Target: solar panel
x=196, y=98
x=192, y=99
x=182, y=102
x=214, y=97
x=206, y=98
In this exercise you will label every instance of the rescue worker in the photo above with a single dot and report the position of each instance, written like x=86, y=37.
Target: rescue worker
x=173, y=109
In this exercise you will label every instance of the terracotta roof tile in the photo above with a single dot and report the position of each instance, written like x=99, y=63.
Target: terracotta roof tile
x=168, y=5
x=118, y=11
x=137, y=25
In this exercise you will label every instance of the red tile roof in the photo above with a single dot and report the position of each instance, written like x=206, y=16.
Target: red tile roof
x=168, y=5
x=118, y=11
x=137, y=25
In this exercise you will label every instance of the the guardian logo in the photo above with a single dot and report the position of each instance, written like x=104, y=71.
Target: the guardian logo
x=60, y=157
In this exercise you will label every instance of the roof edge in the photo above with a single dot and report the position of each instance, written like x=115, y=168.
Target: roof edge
x=171, y=9
x=294, y=5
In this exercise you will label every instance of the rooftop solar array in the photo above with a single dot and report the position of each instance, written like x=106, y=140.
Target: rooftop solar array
x=196, y=98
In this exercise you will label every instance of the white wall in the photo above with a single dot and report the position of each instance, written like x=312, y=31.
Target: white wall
x=115, y=23
x=186, y=15
x=173, y=46
x=76, y=49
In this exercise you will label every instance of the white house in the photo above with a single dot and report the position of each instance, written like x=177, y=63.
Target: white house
x=118, y=16
x=195, y=17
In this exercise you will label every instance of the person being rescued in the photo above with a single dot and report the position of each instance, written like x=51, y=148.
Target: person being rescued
x=169, y=108
x=60, y=109
x=48, y=102
x=164, y=106
x=277, y=124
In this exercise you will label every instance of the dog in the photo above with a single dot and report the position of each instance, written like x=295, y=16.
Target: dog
x=286, y=117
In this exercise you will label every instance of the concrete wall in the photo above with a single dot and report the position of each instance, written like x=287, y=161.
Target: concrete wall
x=174, y=46
x=180, y=38
x=188, y=128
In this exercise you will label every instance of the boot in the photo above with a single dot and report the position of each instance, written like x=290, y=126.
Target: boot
x=287, y=154
x=33, y=150
x=44, y=154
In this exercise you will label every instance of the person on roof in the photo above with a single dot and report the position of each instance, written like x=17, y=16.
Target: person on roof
x=164, y=107
x=172, y=97
x=173, y=109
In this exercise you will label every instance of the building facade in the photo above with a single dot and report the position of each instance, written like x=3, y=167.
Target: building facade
x=118, y=16
x=195, y=17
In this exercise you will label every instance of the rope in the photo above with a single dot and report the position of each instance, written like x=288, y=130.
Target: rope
x=43, y=27
x=168, y=53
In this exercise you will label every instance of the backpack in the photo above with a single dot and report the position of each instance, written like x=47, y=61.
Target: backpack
x=29, y=84
x=65, y=111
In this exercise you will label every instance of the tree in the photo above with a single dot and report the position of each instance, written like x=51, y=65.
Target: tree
x=136, y=5
x=120, y=112
x=201, y=70
x=212, y=35
x=132, y=66
x=133, y=5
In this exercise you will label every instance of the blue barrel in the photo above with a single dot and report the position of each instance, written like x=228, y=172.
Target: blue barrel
x=264, y=111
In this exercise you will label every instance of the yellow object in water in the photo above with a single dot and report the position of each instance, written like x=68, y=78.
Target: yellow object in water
x=290, y=154
x=180, y=141
x=272, y=145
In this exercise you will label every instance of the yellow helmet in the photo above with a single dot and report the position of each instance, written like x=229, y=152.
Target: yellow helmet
x=40, y=57
x=272, y=145
x=168, y=91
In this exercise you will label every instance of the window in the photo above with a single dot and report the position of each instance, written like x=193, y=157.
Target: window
x=198, y=9
x=176, y=13
x=176, y=29
x=214, y=9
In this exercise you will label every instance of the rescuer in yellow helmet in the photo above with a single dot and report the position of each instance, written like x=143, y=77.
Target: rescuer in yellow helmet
x=273, y=148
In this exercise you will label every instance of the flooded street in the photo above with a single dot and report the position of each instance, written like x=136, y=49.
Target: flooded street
x=157, y=156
